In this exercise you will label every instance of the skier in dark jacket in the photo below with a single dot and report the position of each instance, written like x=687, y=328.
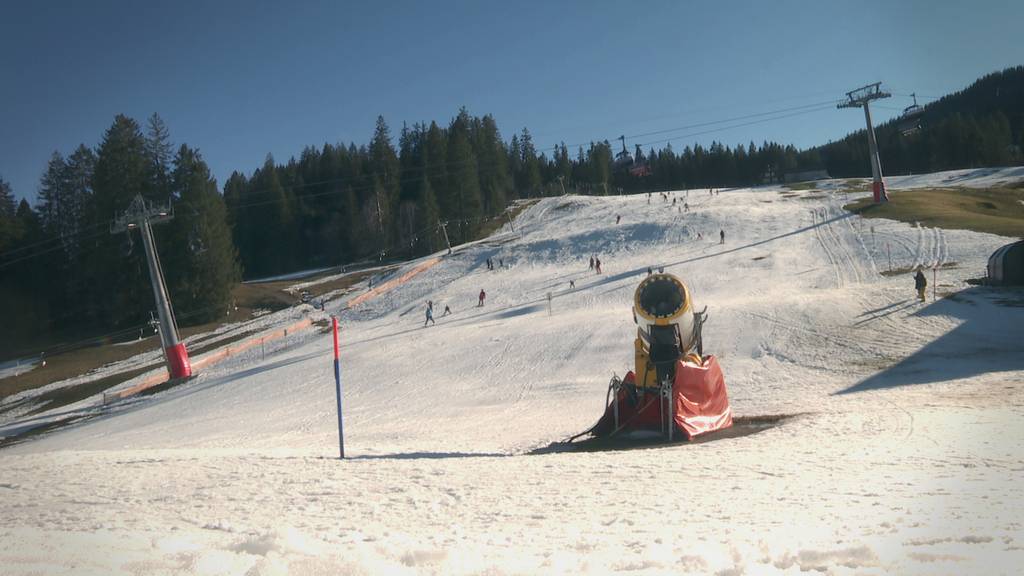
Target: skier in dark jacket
x=482, y=296
x=920, y=284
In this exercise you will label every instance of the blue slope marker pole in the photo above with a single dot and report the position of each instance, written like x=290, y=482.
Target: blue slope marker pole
x=337, y=387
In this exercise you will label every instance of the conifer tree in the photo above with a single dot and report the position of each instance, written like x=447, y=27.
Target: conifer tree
x=464, y=180
x=118, y=279
x=201, y=270
x=158, y=157
x=8, y=232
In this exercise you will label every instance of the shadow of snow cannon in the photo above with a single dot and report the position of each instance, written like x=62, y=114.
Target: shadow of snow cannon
x=674, y=388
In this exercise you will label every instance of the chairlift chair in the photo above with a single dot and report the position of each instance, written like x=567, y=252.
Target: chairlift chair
x=910, y=121
x=623, y=159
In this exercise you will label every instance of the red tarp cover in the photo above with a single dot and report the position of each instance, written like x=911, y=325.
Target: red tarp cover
x=702, y=403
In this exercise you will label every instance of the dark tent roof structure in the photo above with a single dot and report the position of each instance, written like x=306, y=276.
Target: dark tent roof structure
x=1006, y=265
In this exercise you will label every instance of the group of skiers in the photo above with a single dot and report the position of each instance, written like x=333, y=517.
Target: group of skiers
x=490, y=263
x=430, y=312
x=595, y=264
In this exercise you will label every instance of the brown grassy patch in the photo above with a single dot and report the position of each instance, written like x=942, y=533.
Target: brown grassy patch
x=494, y=224
x=248, y=298
x=992, y=210
x=802, y=186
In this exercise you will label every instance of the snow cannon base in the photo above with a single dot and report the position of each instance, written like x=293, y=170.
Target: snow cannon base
x=695, y=402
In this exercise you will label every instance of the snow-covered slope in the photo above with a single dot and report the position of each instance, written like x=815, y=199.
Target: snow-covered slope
x=905, y=458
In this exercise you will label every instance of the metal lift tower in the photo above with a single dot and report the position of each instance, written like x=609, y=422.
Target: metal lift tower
x=859, y=98
x=142, y=215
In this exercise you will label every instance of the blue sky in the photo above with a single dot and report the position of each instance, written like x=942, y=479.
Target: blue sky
x=239, y=80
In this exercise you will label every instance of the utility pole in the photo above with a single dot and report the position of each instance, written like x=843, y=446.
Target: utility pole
x=561, y=179
x=444, y=228
x=859, y=98
x=142, y=215
x=509, y=216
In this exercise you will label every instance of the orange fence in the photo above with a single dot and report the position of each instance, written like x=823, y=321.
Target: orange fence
x=212, y=358
x=385, y=287
x=216, y=356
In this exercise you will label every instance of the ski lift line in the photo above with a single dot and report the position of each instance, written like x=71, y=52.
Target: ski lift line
x=81, y=230
x=67, y=346
x=690, y=112
x=414, y=169
x=808, y=108
x=361, y=188
x=51, y=249
x=802, y=110
x=57, y=239
x=922, y=96
x=105, y=224
x=701, y=133
x=823, y=104
x=745, y=117
x=410, y=169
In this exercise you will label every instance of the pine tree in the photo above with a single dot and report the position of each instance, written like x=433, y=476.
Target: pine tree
x=531, y=181
x=464, y=181
x=7, y=208
x=201, y=271
x=120, y=292
x=495, y=178
x=158, y=157
x=9, y=232
x=52, y=192
x=386, y=173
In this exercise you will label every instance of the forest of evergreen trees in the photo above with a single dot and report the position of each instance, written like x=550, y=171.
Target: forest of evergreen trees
x=982, y=125
x=63, y=273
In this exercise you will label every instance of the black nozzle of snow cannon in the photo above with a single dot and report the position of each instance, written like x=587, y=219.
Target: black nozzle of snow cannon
x=661, y=297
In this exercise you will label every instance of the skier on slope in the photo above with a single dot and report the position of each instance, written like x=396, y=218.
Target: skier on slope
x=430, y=315
x=920, y=284
x=447, y=311
x=721, y=236
x=482, y=296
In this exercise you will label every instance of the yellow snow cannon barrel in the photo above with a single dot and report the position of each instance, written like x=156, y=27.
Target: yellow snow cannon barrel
x=663, y=312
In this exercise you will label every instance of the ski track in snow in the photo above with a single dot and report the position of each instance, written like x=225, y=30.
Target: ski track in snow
x=236, y=472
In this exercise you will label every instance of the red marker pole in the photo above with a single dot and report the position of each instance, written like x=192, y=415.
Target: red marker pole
x=337, y=386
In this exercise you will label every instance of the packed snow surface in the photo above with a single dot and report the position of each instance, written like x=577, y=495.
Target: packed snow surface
x=905, y=454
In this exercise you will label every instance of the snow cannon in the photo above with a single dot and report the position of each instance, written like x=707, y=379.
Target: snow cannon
x=674, y=388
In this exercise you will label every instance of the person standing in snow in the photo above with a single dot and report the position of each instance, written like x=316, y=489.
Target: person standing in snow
x=447, y=311
x=591, y=262
x=618, y=218
x=430, y=316
x=686, y=206
x=482, y=296
x=721, y=236
x=920, y=284
x=597, y=265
